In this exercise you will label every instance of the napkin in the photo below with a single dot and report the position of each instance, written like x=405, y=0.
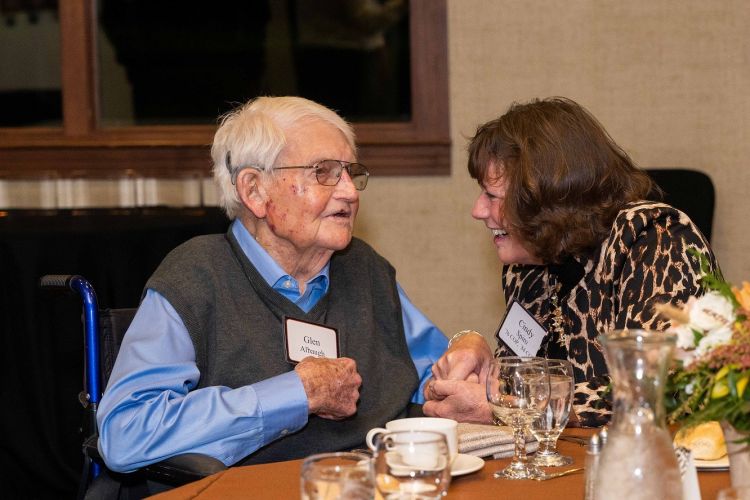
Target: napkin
x=490, y=440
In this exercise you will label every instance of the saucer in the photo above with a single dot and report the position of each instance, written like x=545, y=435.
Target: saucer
x=396, y=463
x=466, y=464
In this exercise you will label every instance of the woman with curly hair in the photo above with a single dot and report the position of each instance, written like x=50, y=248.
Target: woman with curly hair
x=582, y=249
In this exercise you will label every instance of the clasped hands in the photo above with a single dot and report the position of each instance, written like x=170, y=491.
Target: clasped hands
x=457, y=389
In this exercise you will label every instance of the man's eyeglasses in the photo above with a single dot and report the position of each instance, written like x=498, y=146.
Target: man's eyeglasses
x=327, y=172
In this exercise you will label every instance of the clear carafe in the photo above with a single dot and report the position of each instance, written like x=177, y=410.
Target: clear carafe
x=638, y=461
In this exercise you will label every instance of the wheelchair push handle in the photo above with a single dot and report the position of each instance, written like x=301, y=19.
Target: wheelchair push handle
x=57, y=281
x=72, y=282
x=80, y=285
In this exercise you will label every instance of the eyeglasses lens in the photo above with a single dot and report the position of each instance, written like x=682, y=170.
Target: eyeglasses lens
x=328, y=173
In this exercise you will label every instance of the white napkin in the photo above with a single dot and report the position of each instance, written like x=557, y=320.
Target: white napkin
x=490, y=440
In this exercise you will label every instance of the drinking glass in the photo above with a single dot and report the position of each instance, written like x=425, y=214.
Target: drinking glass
x=337, y=476
x=518, y=392
x=412, y=465
x=550, y=424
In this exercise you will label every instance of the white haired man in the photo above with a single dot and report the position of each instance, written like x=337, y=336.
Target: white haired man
x=208, y=364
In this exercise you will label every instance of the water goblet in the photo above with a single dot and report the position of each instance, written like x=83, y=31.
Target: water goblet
x=550, y=424
x=518, y=391
x=412, y=465
x=337, y=476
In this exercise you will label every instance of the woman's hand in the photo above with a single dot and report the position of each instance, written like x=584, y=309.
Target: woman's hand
x=460, y=400
x=468, y=358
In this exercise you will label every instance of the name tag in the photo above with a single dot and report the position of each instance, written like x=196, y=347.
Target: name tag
x=520, y=331
x=689, y=474
x=305, y=339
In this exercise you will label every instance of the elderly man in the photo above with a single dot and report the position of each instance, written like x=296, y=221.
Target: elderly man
x=215, y=360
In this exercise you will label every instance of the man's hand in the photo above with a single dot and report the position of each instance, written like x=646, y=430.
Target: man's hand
x=458, y=399
x=467, y=359
x=331, y=385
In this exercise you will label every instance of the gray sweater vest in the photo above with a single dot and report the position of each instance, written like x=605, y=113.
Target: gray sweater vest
x=235, y=322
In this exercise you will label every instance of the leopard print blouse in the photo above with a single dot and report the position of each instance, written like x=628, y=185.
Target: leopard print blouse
x=643, y=262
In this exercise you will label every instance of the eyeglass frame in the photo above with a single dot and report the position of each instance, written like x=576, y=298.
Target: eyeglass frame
x=345, y=165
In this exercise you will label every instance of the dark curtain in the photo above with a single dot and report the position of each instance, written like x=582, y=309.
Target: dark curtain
x=42, y=336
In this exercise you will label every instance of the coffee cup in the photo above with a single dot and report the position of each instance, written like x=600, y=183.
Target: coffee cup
x=445, y=426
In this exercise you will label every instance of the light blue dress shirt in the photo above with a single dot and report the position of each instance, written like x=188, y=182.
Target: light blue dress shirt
x=150, y=411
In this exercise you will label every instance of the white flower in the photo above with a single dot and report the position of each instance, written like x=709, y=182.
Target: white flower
x=712, y=317
x=714, y=338
x=711, y=312
x=685, y=336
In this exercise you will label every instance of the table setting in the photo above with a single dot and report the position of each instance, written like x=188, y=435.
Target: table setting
x=279, y=480
x=529, y=453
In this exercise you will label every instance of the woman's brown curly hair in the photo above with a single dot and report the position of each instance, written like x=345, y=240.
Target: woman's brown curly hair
x=565, y=177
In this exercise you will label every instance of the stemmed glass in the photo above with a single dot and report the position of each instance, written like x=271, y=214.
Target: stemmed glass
x=550, y=424
x=518, y=391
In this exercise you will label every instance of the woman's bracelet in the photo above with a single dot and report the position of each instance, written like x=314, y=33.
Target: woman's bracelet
x=461, y=334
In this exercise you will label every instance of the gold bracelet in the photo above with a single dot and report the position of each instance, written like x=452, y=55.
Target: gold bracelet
x=461, y=334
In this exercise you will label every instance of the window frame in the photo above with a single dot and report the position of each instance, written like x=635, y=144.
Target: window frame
x=81, y=148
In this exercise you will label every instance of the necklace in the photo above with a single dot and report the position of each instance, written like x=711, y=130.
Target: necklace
x=557, y=319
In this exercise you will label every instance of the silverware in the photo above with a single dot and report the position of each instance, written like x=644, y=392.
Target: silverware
x=574, y=439
x=558, y=474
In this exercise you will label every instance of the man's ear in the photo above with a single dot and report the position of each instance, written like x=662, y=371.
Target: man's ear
x=251, y=191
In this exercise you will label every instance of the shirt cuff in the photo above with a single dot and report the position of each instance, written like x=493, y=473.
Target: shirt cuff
x=284, y=404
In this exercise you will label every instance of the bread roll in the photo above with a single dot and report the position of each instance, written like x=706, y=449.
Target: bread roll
x=706, y=441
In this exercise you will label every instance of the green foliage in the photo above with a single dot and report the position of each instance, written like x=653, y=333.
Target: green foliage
x=712, y=387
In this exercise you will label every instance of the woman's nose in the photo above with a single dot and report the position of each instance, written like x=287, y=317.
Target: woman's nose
x=480, y=210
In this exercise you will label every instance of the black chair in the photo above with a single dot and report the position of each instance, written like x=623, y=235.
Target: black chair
x=689, y=190
x=103, y=334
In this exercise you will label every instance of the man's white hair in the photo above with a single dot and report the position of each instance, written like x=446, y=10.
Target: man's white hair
x=254, y=134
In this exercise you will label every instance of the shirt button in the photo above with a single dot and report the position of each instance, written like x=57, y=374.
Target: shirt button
x=287, y=284
x=284, y=432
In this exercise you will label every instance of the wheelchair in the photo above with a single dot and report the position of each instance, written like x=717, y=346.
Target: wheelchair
x=103, y=333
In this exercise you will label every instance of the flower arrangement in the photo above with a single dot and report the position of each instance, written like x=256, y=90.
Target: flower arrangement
x=710, y=378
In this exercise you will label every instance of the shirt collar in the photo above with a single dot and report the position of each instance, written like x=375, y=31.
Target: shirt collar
x=268, y=268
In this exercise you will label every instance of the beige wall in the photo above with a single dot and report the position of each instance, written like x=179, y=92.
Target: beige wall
x=670, y=79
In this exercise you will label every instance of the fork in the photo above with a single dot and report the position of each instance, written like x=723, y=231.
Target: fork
x=574, y=439
x=557, y=474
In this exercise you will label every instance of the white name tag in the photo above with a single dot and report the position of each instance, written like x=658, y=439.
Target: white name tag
x=305, y=339
x=689, y=474
x=520, y=331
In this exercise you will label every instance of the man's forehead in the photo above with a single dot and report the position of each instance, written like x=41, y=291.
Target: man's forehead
x=313, y=140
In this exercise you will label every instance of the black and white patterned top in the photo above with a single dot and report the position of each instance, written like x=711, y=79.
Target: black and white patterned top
x=643, y=262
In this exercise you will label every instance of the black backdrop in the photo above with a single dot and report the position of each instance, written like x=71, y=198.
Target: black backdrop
x=42, y=339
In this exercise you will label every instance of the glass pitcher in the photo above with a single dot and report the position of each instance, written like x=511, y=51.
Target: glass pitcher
x=638, y=460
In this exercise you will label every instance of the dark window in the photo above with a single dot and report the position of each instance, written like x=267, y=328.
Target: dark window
x=30, y=64
x=122, y=113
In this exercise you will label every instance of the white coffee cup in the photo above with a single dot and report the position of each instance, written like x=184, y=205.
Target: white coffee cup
x=444, y=425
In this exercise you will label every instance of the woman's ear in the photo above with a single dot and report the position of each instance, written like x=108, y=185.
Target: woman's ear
x=251, y=191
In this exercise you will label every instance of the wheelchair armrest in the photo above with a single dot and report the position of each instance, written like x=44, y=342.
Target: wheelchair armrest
x=182, y=469
x=175, y=471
